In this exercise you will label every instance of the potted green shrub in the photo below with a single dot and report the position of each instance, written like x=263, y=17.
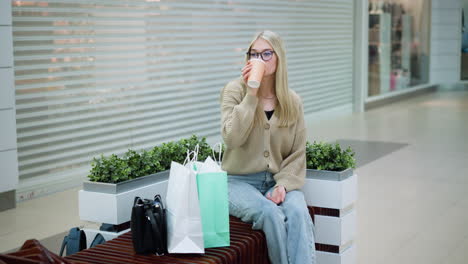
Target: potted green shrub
x=331, y=189
x=115, y=180
x=329, y=161
x=114, y=174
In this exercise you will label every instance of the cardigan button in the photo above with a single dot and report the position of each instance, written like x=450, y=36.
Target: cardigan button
x=267, y=126
x=266, y=154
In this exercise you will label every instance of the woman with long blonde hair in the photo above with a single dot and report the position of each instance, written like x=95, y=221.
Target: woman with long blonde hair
x=265, y=136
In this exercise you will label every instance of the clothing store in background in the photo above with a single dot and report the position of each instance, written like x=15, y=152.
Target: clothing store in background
x=398, y=45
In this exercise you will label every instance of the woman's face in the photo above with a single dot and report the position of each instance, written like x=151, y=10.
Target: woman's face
x=261, y=45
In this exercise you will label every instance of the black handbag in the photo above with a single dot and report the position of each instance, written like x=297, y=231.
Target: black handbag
x=148, y=225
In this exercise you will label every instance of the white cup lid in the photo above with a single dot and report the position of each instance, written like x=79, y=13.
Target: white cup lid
x=257, y=59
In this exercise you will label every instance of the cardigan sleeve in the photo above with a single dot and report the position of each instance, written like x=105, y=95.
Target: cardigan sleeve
x=292, y=169
x=237, y=114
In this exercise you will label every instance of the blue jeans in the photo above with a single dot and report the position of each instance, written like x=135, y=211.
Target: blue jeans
x=288, y=227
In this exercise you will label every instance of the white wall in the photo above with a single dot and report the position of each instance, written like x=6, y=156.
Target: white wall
x=445, y=42
x=8, y=147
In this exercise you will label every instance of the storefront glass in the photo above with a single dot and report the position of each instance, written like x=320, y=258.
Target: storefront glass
x=398, y=45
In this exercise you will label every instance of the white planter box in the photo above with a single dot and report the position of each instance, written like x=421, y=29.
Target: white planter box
x=348, y=256
x=115, y=208
x=330, y=193
x=340, y=193
x=335, y=230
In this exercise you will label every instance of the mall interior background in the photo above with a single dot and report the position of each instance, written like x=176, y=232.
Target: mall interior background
x=65, y=96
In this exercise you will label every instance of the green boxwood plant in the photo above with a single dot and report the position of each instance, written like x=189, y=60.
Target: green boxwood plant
x=133, y=164
x=327, y=156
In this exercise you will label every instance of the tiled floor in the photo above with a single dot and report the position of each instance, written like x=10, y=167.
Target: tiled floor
x=413, y=184
x=368, y=151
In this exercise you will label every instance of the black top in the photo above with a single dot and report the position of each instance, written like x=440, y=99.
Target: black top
x=269, y=114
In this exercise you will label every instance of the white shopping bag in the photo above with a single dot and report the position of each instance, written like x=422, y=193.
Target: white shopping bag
x=184, y=226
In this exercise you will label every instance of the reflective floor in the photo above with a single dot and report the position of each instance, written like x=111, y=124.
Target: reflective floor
x=413, y=184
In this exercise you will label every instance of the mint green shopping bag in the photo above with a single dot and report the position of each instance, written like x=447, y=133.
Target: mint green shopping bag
x=214, y=205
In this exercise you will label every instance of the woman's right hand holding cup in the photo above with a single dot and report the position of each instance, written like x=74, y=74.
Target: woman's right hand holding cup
x=246, y=70
x=245, y=75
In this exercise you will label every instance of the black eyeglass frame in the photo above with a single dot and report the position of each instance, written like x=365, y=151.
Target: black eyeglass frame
x=261, y=54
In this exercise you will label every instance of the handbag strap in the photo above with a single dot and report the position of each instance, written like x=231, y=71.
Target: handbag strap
x=64, y=243
x=157, y=238
x=98, y=239
x=163, y=229
x=158, y=199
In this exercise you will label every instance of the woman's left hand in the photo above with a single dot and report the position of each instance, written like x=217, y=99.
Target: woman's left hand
x=277, y=195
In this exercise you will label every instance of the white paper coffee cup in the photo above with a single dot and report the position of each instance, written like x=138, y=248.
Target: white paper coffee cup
x=256, y=73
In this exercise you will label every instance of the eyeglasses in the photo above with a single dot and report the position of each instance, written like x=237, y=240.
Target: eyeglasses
x=265, y=55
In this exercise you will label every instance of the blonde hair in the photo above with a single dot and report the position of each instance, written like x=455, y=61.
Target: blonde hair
x=286, y=111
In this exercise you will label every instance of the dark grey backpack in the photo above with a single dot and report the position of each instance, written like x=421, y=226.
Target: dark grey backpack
x=75, y=241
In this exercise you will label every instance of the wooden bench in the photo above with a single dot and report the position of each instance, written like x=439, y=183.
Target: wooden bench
x=247, y=246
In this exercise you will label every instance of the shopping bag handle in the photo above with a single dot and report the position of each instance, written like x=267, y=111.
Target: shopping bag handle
x=220, y=151
x=191, y=158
